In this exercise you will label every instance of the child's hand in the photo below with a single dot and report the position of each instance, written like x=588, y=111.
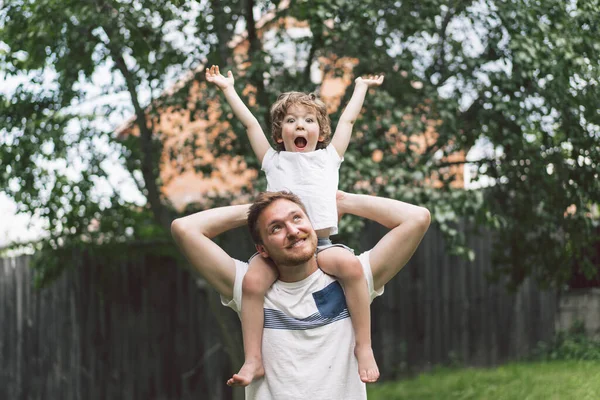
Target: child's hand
x=370, y=80
x=213, y=75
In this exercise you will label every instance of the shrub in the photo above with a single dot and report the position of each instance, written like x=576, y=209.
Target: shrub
x=572, y=344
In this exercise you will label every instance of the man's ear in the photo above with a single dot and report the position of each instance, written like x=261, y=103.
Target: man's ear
x=262, y=251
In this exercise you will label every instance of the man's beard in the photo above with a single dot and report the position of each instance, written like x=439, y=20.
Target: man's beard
x=292, y=260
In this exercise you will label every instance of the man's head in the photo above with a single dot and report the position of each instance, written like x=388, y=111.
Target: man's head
x=281, y=229
x=293, y=107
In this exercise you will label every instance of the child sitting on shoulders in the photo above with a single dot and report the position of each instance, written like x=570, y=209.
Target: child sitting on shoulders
x=306, y=162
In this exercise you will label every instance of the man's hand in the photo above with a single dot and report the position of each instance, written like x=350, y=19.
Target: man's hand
x=213, y=75
x=339, y=198
x=407, y=224
x=193, y=235
x=369, y=81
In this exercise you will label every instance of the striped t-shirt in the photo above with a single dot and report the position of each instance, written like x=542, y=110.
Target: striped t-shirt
x=308, y=340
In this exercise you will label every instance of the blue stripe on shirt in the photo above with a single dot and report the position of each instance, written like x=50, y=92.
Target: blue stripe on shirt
x=275, y=319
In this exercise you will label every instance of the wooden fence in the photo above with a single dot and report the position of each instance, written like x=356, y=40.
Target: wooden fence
x=442, y=310
x=146, y=330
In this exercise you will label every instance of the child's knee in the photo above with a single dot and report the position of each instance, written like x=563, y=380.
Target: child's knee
x=259, y=277
x=354, y=269
x=340, y=263
x=255, y=284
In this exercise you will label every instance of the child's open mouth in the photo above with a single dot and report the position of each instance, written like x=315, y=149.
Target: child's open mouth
x=300, y=142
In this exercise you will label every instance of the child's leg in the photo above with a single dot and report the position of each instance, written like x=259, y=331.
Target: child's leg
x=345, y=266
x=259, y=278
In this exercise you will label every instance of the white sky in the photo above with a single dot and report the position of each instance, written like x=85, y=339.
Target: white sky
x=18, y=228
x=24, y=227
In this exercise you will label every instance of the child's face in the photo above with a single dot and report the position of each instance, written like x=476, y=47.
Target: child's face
x=300, y=131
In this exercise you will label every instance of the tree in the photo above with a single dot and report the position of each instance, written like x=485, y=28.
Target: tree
x=57, y=143
x=519, y=77
x=56, y=148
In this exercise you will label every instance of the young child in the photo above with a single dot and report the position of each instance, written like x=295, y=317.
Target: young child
x=306, y=164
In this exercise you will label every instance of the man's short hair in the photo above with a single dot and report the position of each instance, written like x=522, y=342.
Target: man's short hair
x=262, y=201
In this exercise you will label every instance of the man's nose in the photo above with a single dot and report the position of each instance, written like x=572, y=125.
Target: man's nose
x=292, y=230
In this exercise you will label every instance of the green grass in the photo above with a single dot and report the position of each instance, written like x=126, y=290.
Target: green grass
x=556, y=380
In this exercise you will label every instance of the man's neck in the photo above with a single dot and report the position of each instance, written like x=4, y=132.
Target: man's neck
x=299, y=272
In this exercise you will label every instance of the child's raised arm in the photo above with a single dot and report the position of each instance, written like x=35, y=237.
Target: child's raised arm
x=343, y=130
x=257, y=137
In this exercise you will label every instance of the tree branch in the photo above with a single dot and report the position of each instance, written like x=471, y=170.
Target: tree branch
x=440, y=62
x=311, y=56
x=223, y=35
x=149, y=166
x=255, y=55
x=481, y=161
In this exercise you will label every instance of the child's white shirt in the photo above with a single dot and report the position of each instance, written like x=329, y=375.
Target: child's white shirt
x=312, y=176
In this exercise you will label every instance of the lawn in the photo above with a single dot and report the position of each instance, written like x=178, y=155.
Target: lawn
x=576, y=380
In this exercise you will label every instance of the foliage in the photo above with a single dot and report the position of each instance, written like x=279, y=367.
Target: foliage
x=554, y=380
x=517, y=80
x=571, y=345
x=57, y=148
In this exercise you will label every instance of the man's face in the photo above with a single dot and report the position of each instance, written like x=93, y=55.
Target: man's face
x=287, y=234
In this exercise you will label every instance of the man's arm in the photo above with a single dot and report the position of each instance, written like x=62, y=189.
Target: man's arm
x=407, y=224
x=257, y=137
x=193, y=235
x=343, y=130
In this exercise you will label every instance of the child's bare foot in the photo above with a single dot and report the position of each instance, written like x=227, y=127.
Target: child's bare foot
x=367, y=367
x=250, y=371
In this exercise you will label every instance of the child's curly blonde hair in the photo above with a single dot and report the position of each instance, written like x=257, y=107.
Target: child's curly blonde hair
x=310, y=100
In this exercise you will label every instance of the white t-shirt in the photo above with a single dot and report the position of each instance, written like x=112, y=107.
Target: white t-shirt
x=312, y=176
x=308, y=340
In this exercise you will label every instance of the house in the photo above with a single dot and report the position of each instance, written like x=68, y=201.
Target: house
x=192, y=175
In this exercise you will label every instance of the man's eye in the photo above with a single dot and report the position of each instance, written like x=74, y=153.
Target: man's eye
x=297, y=218
x=274, y=229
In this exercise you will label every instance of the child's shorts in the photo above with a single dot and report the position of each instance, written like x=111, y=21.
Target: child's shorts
x=322, y=244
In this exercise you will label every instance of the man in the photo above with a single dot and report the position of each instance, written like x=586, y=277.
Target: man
x=308, y=337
